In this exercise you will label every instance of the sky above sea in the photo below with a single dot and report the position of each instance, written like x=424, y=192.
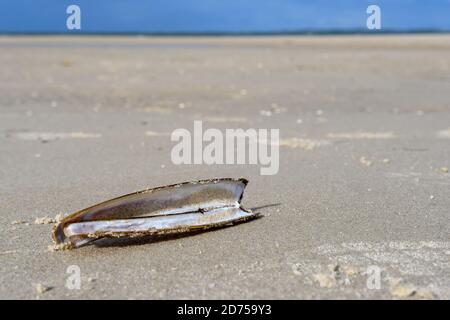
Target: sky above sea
x=221, y=16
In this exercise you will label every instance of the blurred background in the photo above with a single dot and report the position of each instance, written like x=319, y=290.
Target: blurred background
x=217, y=16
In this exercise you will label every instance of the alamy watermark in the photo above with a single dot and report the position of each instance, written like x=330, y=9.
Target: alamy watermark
x=374, y=278
x=73, y=281
x=373, y=21
x=234, y=146
x=73, y=21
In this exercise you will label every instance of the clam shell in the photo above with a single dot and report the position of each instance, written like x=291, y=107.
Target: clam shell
x=175, y=208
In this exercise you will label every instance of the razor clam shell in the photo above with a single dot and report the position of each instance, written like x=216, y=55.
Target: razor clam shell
x=157, y=225
x=175, y=208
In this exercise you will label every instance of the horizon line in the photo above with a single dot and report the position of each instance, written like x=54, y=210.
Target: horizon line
x=227, y=33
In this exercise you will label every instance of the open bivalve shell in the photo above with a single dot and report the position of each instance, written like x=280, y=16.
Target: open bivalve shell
x=175, y=208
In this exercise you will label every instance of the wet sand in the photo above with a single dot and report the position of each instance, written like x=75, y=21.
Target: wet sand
x=365, y=139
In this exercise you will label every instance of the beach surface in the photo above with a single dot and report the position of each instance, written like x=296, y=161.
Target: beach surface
x=359, y=208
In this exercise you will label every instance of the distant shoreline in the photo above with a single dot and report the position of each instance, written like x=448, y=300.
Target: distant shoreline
x=226, y=34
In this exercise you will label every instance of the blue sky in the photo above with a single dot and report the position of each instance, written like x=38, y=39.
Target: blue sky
x=190, y=16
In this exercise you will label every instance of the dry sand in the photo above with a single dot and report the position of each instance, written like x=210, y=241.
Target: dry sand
x=75, y=114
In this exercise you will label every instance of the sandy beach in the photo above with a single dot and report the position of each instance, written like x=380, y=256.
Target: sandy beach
x=363, y=180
